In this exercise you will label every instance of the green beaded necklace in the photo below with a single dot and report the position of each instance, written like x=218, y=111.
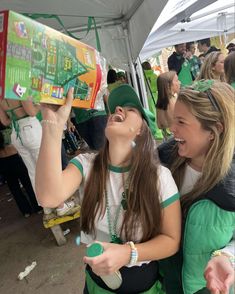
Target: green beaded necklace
x=123, y=205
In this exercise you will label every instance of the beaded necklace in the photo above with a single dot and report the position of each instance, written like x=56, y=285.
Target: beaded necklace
x=122, y=205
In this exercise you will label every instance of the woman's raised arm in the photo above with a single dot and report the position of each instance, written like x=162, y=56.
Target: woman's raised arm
x=53, y=186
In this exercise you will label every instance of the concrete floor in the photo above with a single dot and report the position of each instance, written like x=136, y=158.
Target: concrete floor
x=59, y=270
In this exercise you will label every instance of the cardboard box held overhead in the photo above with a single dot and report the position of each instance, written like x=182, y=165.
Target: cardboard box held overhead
x=40, y=64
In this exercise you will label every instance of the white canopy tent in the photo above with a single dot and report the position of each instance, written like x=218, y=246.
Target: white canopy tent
x=176, y=11
x=214, y=20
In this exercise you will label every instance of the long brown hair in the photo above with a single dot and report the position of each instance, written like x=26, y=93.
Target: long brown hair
x=219, y=157
x=143, y=199
x=164, y=82
x=206, y=71
x=229, y=68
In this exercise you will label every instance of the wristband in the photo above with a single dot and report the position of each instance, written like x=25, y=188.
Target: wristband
x=134, y=253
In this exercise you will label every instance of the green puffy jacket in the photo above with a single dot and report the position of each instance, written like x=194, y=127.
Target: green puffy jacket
x=209, y=226
x=206, y=222
x=183, y=273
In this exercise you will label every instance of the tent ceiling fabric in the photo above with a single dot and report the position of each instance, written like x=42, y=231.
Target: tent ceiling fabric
x=176, y=11
x=111, y=16
x=215, y=19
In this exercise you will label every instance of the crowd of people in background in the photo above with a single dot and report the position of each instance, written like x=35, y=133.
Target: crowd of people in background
x=130, y=189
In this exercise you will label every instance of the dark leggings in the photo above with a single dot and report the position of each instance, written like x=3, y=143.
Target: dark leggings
x=13, y=169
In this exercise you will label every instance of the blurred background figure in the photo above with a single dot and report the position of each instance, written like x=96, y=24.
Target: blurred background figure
x=213, y=67
x=121, y=76
x=90, y=124
x=229, y=69
x=168, y=86
x=15, y=173
x=112, y=80
x=26, y=130
x=152, y=95
x=195, y=62
x=204, y=46
x=180, y=64
x=26, y=137
x=201, y=57
x=230, y=47
x=151, y=85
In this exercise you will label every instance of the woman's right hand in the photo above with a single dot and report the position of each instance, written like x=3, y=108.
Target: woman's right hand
x=58, y=114
x=114, y=257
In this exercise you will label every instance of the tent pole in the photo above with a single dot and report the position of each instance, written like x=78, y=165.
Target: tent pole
x=142, y=84
x=132, y=68
x=128, y=77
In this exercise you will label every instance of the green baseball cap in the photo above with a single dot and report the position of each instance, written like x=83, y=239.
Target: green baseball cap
x=124, y=96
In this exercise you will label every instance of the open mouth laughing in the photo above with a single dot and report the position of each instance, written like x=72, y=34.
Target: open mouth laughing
x=180, y=141
x=117, y=117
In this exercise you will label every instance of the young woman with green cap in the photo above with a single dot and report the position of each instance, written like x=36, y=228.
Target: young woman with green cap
x=129, y=202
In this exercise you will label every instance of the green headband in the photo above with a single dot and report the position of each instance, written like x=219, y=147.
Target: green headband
x=202, y=85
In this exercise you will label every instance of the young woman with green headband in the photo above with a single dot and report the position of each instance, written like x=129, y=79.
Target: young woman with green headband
x=201, y=159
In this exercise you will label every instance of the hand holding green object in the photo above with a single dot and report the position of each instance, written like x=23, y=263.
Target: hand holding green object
x=114, y=280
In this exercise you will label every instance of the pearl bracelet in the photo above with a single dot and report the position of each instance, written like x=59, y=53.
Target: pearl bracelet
x=134, y=253
x=48, y=121
x=221, y=253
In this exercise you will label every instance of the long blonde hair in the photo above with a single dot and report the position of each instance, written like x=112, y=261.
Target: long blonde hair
x=219, y=157
x=206, y=71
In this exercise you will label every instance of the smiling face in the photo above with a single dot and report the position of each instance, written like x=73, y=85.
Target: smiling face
x=193, y=141
x=125, y=122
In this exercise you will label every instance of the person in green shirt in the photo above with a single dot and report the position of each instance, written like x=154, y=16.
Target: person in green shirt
x=152, y=94
x=179, y=63
x=195, y=62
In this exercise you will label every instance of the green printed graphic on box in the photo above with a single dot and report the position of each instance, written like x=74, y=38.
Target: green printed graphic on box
x=41, y=63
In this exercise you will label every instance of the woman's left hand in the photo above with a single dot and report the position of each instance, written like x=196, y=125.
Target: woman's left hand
x=113, y=258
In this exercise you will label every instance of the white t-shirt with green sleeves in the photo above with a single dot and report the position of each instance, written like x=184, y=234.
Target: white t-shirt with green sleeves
x=168, y=194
